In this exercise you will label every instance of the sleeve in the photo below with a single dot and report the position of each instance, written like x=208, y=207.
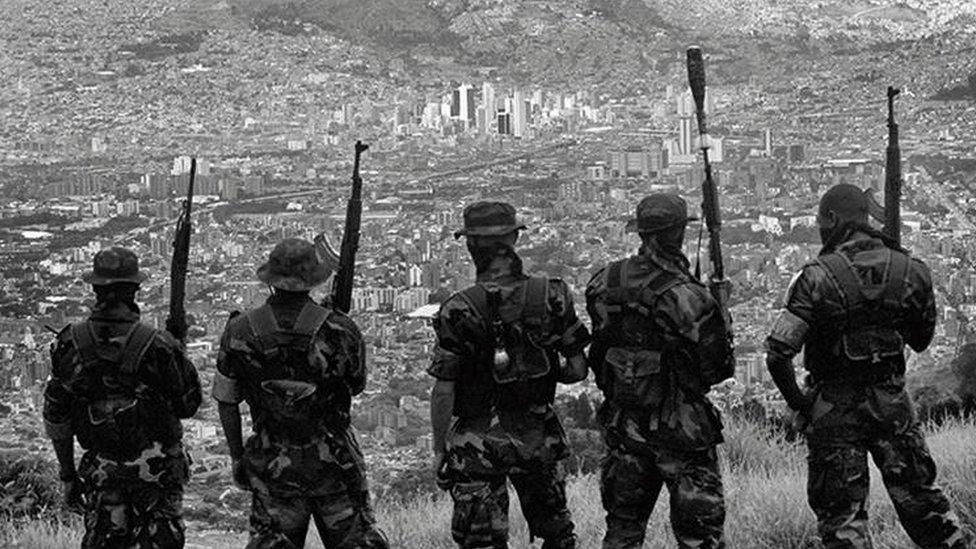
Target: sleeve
x=177, y=375
x=792, y=324
x=226, y=387
x=919, y=325
x=573, y=335
x=597, y=309
x=58, y=400
x=351, y=353
x=452, y=346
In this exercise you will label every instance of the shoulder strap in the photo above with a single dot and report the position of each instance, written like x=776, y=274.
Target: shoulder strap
x=311, y=319
x=477, y=297
x=897, y=279
x=264, y=325
x=536, y=296
x=84, y=340
x=136, y=345
x=621, y=296
x=841, y=271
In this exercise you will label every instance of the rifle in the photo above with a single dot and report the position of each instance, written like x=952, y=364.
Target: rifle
x=892, y=198
x=718, y=285
x=176, y=321
x=342, y=285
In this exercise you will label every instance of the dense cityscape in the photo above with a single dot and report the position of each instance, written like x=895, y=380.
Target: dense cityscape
x=95, y=151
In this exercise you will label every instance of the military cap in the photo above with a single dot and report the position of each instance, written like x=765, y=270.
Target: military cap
x=294, y=266
x=658, y=212
x=114, y=265
x=489, y=219
x=845, y=200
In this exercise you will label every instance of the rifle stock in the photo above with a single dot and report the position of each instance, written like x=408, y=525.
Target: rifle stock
x=342, y=285
x=176, y=323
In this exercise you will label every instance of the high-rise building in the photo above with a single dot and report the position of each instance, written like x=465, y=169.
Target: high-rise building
x=519, y=114
x=488, y=103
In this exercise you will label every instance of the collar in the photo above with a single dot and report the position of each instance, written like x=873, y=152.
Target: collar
x=501, y=268
x=668, y=262
x=281, y=297
x=856, y=242
x=115, y=312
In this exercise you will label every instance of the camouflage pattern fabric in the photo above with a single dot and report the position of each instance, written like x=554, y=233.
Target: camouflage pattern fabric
x=481, y=508
x=837, y=488
x=295, y=480
x=630, y=484
x=506, y=443
x=165, y=368
x=488, y=444
x=134, y=515
x=136, y=503
x=342, y=520
x=688, y=318
x=855, y=413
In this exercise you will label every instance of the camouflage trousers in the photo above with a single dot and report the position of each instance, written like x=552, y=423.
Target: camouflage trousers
x=630, y=484
x=481, y=509
x=837, y=489
x=140, y=514
x=342, y=522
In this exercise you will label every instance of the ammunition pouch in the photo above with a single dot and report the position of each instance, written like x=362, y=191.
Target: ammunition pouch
x=637, y=380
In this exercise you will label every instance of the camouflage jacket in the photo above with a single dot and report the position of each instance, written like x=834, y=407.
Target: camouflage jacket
x=860, y=404
x=689, y=319
x=285, y=465
x=164, y=369
x=486, y=437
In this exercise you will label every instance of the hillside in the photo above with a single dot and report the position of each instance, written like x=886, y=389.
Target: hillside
x=764, y=486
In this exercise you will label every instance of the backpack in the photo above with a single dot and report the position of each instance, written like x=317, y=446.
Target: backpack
x=120, y=415
x=296, y=385
x=867, y=334
x=519, y=332
x=637, y=371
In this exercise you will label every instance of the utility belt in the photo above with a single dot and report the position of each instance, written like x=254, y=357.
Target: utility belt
x=859, y=375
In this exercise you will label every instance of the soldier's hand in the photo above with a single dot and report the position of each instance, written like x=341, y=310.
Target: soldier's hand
x=74, y=496
x=241, y=480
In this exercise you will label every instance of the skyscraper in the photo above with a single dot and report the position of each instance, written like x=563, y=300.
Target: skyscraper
x=488, y=101
x=519, y=115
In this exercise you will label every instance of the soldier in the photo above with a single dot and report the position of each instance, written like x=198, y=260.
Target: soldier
x=852, y=310
x=121, y=387
x=297, y=365
x=659, y=343
x=496, y=367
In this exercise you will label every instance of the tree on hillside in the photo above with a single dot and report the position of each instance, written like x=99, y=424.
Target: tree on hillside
x=964, y=368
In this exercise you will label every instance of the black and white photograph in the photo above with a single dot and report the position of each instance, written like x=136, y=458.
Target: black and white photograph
x=488, y=274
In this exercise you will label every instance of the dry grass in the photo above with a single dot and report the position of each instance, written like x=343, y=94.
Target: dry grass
x=765, y=496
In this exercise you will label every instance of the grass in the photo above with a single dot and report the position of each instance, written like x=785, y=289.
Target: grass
x=765, y=488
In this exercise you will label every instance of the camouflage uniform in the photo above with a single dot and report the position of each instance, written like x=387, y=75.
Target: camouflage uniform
x=858, y=405
x=668, y=439
x=505, y=430
x=133, y=495
x=319, y=473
